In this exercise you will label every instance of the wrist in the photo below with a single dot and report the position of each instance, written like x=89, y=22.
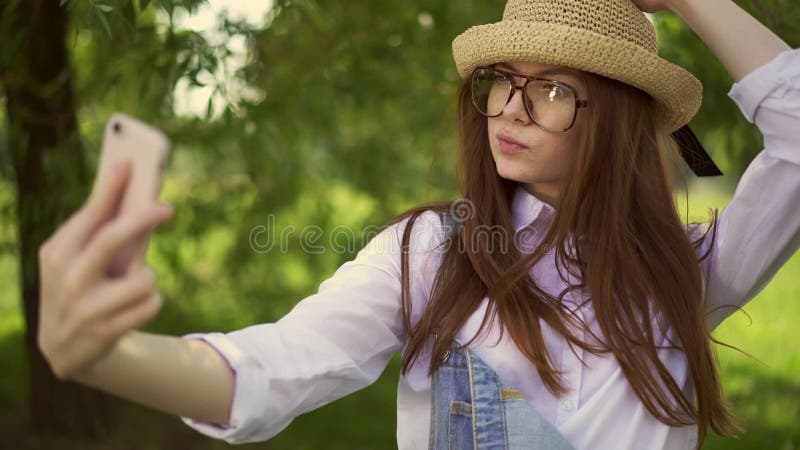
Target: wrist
x=95, y=374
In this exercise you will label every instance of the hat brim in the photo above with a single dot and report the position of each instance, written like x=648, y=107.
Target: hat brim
x=677, y=92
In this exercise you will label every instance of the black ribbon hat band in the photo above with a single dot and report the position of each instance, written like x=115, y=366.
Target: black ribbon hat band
x=694, y=153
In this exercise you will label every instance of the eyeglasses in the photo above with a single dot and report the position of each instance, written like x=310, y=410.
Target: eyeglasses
x=552, y=105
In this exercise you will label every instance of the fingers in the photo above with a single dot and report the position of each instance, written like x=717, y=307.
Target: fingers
x=106, y=195
x=114, y=307
x=116, y=295
x=132, y=317
x=111, y=239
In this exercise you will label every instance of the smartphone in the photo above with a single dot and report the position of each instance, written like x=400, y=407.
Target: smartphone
x=146, y=148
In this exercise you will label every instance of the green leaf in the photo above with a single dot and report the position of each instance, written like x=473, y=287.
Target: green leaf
x=129, y=13
x=104, y=8
x=169, y=6
x=210, y=105
x=103, y=21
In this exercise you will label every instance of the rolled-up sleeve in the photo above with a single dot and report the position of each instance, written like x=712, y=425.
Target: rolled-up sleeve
x=759, y=229
x=330, y=344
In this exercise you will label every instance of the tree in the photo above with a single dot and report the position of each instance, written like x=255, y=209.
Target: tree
x=51, y=178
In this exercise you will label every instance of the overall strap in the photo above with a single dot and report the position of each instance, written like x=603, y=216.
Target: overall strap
x=449, y=224
x=450, y=227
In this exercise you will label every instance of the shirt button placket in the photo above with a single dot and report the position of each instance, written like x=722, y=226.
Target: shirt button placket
x=573, y=369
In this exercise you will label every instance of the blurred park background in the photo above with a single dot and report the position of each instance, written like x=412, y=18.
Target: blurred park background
x=327, y=113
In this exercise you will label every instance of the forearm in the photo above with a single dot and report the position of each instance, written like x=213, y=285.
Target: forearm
x=177, y=376
x=739, y=41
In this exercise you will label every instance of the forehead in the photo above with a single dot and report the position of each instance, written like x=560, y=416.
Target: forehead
x=542, y=70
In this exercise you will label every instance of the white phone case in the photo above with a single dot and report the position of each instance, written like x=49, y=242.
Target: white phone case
x=147, y=149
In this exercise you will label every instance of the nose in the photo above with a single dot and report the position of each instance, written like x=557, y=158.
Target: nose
x=515, y=108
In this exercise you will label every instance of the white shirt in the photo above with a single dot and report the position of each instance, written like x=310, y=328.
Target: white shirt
x=340, y=339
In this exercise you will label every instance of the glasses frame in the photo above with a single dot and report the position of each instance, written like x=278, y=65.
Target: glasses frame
x=579, y=103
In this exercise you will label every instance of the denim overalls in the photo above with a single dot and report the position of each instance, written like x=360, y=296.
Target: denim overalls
x=471, y=408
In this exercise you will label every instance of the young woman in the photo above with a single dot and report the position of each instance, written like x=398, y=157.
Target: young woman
x=568, y=307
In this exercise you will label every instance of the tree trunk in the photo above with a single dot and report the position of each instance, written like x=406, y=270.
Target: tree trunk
x=51, y=179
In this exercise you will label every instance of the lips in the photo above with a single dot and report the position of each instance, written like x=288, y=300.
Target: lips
x=510, y=140
x=509, y=145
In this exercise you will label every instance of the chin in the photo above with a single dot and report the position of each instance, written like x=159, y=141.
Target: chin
x=513, y=172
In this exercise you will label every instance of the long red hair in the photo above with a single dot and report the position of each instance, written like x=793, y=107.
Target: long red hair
x=638, y=261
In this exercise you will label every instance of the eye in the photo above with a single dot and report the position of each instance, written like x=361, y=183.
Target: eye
x=553, y=91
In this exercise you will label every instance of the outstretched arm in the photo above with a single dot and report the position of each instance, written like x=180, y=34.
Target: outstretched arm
x=167, y=373
x=332, y=343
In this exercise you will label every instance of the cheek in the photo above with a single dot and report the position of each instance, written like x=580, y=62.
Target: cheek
x=564, y=159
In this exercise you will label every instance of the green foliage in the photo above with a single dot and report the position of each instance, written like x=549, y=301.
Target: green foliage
x=340, y=113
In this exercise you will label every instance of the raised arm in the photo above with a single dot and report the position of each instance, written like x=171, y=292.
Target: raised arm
x=739, y=41
x=759, y=230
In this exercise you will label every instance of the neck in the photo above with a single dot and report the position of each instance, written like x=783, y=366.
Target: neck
x=545, y=192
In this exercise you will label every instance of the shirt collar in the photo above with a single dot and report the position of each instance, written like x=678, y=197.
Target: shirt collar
x=525, y=208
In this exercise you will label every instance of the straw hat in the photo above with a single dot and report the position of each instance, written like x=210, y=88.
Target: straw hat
x=607, y=37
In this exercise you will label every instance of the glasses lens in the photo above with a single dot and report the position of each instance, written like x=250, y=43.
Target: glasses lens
x=490, y=91
x=551, y=105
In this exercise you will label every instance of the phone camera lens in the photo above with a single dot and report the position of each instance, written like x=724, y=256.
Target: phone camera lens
x=117, y=127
